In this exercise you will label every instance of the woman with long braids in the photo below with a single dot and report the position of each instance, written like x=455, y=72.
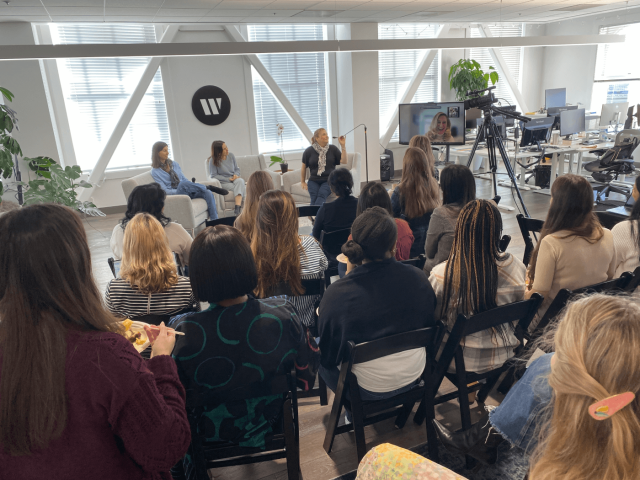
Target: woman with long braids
x=223, y=167
x=321, y=159
x=478, y=277
x=626, y=237
x=259, y=183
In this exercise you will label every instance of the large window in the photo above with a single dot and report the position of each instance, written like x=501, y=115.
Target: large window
x=617, y=75
x=512, y=55
x=96, y=91
x=397, y=67
x=301, y=76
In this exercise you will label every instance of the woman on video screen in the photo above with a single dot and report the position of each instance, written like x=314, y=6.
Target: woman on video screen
x=440, y=129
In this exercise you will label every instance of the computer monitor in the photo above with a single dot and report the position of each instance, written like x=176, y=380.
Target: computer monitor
x=499, y=120
x=471, y=115
x=555, y=97
x=555, y=112
x=443, y=122
x=509, y=122
x=613, y=113
x=536, y=131
x=572, y=121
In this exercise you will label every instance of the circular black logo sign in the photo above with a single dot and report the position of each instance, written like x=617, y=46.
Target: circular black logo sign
x=211, y=105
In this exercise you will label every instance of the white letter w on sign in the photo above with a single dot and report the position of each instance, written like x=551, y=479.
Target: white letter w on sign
x=211, y=106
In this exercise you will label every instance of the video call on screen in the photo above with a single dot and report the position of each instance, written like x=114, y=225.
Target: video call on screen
x=443, y=123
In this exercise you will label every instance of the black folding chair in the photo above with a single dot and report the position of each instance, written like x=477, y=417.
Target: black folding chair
x=221, y=221
x=112, y=266
x=399, y=406
x=528, y=225
x=609, y=219
x=308, y=210
x=332, y=243
x=283, y=443
x=417, y=262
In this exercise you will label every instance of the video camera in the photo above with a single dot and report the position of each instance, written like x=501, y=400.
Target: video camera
x=478, y=101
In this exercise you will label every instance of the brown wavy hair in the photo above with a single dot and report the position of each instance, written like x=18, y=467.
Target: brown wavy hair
x=276, y=245
x=571, y=209
x=419, y=192
x=216, y=152
x=423, y=143
x=259, y=182
x=316, y=134
x=156, y=162
x=44, y=294
x=147, y=262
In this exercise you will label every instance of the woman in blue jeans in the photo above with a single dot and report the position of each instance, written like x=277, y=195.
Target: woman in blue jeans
x=321, y=159
x=170, y=177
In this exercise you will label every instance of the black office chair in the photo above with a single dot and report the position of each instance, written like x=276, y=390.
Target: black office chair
x=332, y=243
x=308, y=210
x=221, y=221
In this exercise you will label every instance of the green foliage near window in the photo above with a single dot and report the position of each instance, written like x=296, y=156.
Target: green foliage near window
x=467, y=75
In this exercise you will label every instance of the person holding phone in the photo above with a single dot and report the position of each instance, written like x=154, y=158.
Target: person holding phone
x=321, y=159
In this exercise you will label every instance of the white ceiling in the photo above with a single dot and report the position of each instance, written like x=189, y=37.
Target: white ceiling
x=303, y=11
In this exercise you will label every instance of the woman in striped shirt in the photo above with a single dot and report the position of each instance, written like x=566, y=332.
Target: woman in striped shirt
x=284, y=257
x=148, y=283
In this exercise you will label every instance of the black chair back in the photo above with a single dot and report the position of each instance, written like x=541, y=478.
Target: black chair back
x=308, y=210
x=221, y=221
x=504, y=243
x=332, y=242
x=528, y=225
x=417, y=262
x=609, y=219
x=112, y=266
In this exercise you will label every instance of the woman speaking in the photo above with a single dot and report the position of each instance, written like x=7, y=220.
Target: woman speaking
x=440, y=129
x=321, y=159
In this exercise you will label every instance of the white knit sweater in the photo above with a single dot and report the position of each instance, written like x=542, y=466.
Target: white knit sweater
x=627, y=256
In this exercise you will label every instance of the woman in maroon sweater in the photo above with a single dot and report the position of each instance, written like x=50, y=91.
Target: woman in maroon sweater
x=76, y=399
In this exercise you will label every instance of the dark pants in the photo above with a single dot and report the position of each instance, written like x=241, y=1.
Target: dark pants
x=318, y=192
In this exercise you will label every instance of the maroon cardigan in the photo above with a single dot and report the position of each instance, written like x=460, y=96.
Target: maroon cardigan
x=126, y=417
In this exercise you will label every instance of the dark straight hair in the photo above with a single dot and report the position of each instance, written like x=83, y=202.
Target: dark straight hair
x=221, y=265
x=216, y=152
x=374, y=234
x=146, y=199
x=373, y=194
x=457, y=184
x=156, y=161
x=634, y=218
x=341, y=182
x=44, y=293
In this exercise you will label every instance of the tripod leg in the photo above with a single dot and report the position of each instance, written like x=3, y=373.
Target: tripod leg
x=514, y=183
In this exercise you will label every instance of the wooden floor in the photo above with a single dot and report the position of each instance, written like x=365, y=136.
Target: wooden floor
x=315, y=463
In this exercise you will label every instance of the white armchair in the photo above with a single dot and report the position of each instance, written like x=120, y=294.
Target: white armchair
x=291, y=180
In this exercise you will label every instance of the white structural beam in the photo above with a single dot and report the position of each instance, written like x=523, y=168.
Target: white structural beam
x=413, y=86
x=277, y=92
x=35, y=52
x=127, y=114
x=499, y=59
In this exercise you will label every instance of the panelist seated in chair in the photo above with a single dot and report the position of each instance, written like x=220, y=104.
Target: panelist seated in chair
x=169, y=176
x=223, y=167
x=380, y=298
x=478, y=277
x=149, y=283
x=238, y=340
x=150, y=199
x=626, y=237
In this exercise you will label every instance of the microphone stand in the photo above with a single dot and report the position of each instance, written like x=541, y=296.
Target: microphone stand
x=366, y=154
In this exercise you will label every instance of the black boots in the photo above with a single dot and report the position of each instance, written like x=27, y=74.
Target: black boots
x=218, y=190
x=237, y=210
x=480, y=441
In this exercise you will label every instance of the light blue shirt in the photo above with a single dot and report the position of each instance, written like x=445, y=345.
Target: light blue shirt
x=227, y=169
x=164, y=179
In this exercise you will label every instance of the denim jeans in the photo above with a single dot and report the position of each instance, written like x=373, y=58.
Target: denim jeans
x=318, y=192
x=518, y=415
x=195, y=190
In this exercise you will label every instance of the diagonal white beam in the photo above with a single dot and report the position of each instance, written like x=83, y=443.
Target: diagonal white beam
x=499, y=59
x=413, y=86
x=277, y=92
x=127, y=114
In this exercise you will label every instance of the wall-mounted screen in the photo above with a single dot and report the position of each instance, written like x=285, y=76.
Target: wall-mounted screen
x=442, y=123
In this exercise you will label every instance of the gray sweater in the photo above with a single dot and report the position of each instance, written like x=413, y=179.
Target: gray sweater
x=227, y=169
x=442, y=228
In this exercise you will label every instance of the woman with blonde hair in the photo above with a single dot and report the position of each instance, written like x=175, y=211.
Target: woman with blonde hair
x=283, y=258
x=440, y=129
x=423, y=143
x=415, y=198
x=321, y=159
x=149, y=283
x=259, y=182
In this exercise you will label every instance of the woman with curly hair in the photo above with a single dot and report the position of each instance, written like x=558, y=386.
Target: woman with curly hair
x=440, y=129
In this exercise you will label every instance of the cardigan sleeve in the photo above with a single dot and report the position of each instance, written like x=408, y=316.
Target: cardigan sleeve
x=178, y=170
x=116, y=241
x=545, y=267
x=163, y=180
x=236, y=168
x=433, y=236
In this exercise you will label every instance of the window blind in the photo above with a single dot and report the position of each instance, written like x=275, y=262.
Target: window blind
x=512, y=56
x=96, y=91
x=397, y=67
x=301, y=76
x=618, y=61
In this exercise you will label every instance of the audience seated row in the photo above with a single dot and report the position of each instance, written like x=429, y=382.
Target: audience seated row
x=626, y=237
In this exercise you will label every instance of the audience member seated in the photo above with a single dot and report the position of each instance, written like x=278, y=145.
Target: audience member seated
x=258, y=183
x=340, y=213
x=223, y=167
x=626, y=237
x=571, y=408
x=321, y=159
x=478, y=277
x=78, y=401
x=239, y=340
x=423, y=143
x=382, y=297
x=169, y=176
x=284, y=257
x=149, y=283
x=415, y=198
x=150, y=199
x=458, y=188
x=573, y=250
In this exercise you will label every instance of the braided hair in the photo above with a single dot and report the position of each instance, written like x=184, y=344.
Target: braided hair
x=374, y=234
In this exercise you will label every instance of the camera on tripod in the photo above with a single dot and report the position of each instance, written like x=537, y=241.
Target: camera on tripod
x=483, y=102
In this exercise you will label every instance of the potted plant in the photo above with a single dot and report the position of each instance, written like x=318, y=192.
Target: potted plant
x=284, y=167
x=467, y=75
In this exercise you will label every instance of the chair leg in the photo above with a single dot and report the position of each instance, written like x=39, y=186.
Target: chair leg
x=323, y=391
x=293, y=449
x=421, y=413
x=430, y=414
x=403, y=416
x=334, y=418
x=358, y=423
x=486, y=389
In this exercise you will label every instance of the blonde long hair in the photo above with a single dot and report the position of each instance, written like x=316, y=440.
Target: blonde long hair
x=316, y=134
x=258, y=183
x=147, y=261
x=423, y=143
x=597, y=346
x=419, y=190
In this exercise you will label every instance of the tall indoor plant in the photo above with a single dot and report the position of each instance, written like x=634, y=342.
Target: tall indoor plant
x=467, y=75
x=284, y=166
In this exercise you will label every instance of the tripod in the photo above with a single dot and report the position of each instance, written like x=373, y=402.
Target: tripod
x=492, y=137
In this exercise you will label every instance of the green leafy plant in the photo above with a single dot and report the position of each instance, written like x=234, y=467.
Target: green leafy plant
x=467, y=75
x=274, y=158
x=8, y=145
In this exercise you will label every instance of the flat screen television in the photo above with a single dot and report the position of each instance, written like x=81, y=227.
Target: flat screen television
x=443, y=123
x=555, y=97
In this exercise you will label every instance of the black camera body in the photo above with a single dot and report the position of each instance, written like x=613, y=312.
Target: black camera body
x=483, y=102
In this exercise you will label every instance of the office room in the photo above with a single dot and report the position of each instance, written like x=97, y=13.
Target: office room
x=489, y=146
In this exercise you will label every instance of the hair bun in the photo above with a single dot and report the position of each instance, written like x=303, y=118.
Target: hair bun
x=353, y=252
